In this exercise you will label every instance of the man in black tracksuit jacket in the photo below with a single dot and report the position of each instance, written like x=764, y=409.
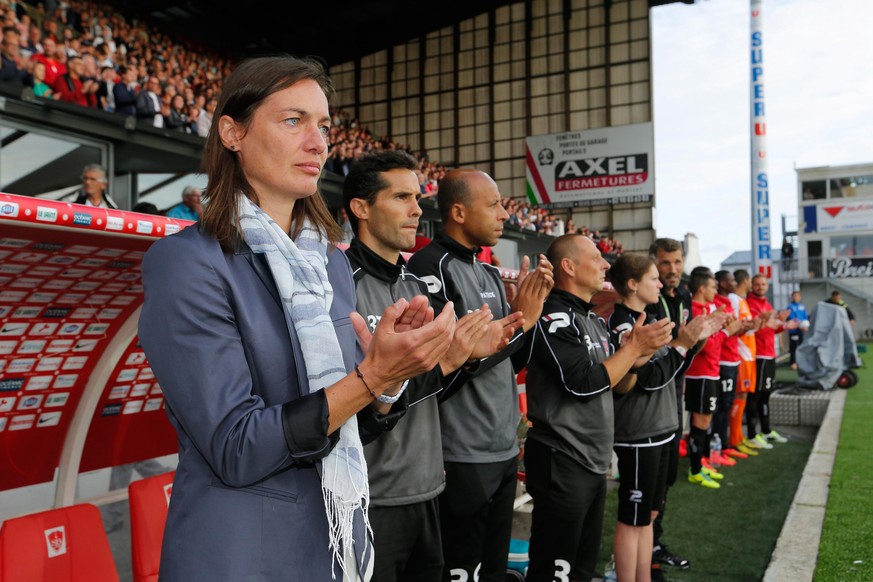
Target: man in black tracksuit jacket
x=572, y=369
x=405, y=465
x=479, y=423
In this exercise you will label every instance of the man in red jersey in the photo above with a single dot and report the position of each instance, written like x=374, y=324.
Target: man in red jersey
x=729, y=363
x=772, y=322
x=701, y=381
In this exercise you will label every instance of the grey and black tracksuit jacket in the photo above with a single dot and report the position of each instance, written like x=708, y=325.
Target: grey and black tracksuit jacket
x=649, y=409
x=405, y=464
x=479, y=422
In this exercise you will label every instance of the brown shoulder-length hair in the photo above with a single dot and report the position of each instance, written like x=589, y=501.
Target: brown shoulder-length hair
x=253, y=81
x=626, y=267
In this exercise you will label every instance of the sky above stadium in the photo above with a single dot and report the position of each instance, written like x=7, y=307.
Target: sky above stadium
x=819, y=107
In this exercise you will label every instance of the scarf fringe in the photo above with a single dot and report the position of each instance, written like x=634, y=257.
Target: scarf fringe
x=340, y=528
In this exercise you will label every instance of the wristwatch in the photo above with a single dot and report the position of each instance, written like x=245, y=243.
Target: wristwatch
x=385, y=399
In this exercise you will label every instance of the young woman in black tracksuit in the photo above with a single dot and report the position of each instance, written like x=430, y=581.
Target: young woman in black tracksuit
x=645, y=416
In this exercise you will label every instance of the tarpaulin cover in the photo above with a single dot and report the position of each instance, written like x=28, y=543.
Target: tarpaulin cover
x=827, y=349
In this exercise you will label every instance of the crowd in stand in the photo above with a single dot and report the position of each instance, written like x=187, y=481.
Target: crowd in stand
x=85, y=53
x=349, y=140
x=528, y=216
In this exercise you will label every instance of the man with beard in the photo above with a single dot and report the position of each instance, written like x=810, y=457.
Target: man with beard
x=675, y=305
x=772, y=323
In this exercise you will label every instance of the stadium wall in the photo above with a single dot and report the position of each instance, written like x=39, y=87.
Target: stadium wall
x=470, y=93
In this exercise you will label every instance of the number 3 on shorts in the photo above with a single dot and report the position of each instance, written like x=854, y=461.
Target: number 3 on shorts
x=562, y=571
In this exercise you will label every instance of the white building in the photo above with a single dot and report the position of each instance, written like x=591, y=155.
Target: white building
x=692, y=252
x=835, y=238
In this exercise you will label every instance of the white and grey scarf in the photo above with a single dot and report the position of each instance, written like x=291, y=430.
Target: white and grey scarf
x=300, y=271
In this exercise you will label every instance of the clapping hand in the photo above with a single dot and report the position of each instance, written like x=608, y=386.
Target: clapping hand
x=469, y=331
x=533, y=288
x=647, y=339
x=498, y=335
x=689, y=333
x=408, y=340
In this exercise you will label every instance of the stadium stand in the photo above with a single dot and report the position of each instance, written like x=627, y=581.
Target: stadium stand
x=189, y=79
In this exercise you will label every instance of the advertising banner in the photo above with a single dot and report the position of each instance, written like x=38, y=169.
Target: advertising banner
x=844, y=217
x=130, y=423
x=70, y=276
x=850, y=268
x=598, y=166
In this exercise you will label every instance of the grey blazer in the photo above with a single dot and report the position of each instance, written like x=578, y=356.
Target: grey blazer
x=247, y=502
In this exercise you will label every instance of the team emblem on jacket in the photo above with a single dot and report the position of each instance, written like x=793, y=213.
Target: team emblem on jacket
x=557, y=320
x=621, y=330
x=433, y=283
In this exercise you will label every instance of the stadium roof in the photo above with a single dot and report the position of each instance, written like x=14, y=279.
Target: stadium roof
x=339, y=31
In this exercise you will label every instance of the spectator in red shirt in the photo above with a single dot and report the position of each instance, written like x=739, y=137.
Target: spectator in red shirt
x=53, y=67
x=69, y=86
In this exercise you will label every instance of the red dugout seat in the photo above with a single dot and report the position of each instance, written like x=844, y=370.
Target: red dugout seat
x=524, y=423
x=149, y=502
x=520, y=380
x=67, y=544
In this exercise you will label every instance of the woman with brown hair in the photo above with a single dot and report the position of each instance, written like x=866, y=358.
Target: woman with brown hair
x=645, y=415
x=247, y=326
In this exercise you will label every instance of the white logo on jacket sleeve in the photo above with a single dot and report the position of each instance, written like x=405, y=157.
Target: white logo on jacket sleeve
x=622, y=329
x=557, y=320
x=434, y=285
